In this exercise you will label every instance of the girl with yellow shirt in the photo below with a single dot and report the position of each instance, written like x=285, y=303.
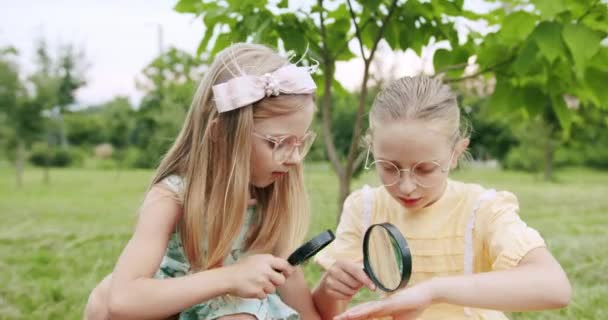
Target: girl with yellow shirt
x=473, y=257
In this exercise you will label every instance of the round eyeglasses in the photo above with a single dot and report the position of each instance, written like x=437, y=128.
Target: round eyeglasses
x=425, y=174
x=284, y=146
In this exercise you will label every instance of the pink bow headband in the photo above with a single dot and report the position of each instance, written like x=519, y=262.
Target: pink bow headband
x=247, y=89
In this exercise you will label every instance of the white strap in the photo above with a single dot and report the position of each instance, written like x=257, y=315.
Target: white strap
x=469, y=253
x=175, y=183
x=367, y=206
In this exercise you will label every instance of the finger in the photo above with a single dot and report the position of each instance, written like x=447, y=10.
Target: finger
x=281, y=265
x=346, y=279
x=355, y=271
x=341, y=288
x=269, y=288
x=337, y=295
x=277, y=279
x=261, y=294
x=364, y=311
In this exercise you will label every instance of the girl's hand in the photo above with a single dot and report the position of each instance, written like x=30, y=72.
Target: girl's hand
x=257, y=276
x=404, y=305
x=344, y=279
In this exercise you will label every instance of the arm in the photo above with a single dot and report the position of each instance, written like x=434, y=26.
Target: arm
x=338, y=286
x=133, y=291
x=296, y=294
x=537, y=282
x=327, y=304
x=344, y=274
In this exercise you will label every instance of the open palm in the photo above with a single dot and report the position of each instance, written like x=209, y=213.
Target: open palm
x=406, y=304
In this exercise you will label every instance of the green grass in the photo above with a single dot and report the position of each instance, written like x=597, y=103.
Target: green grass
x=58, y=241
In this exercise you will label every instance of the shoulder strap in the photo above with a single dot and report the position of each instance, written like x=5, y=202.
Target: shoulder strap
x=367, y=206
x=469, y=252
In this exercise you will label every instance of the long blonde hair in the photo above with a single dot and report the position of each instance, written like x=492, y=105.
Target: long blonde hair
x=215, y=164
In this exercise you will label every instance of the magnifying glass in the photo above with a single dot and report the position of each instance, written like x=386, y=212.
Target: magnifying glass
x=310, y=248
x=386, y=257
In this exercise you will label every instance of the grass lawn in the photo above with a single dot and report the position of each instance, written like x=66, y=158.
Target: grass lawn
x=58, y=241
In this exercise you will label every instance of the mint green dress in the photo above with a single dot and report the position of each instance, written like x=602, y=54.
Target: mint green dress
x=175, y=264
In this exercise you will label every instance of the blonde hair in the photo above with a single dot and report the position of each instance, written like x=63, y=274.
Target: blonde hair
x=420, y=98
x=214, y=161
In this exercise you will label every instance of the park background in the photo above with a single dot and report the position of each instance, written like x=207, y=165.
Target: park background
x=92, y=94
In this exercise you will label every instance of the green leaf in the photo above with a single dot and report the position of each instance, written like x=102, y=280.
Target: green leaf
x=526, y=58
x=293, y=33
x=600, y=60
x=549, y=40
x=371, y=4
x=392, y=34
x=583, y=43
x=549, y=8
x=455, y=60
x=202, y=47
x=409, y=37
x=222, y=41
x=578, y=7
x=187, y=6
x=597, y=19
x=441, y=59
x=596, y=81
x=452, y=8
x=564, y=115
x=340, y=13
x=505, y=98
x=516, y=27
x=370, y=34
x=284, y=4
x=534, y=100
x=491, y=51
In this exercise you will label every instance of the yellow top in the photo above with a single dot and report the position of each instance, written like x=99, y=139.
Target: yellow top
x=469, y=227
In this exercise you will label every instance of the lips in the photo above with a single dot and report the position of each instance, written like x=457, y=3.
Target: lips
x=278, y=174
x=409, y=202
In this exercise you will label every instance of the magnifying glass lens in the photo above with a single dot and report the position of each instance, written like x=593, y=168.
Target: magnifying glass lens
x=386, y=257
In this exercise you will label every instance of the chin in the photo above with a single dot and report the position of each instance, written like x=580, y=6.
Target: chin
x=262, y=184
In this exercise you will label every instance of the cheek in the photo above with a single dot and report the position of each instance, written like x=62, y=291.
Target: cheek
x=261, y=156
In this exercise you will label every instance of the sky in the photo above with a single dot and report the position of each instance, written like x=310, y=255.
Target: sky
x=119, y=38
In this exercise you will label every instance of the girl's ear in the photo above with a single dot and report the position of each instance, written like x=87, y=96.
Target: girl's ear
x=459, y=149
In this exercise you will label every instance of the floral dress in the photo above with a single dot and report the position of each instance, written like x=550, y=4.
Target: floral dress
x=175, y=264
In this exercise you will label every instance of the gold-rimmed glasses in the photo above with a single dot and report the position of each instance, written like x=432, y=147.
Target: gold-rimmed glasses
x=284, y=146
x=426, y=174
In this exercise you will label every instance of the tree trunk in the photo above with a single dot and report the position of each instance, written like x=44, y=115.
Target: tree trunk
x=46, y=175
x=20, y=162
x=548, y=156
x=343, y=192
x=62, y=132
x=358, y=127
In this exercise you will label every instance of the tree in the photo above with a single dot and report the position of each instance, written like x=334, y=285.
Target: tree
x=70, y=77
x=327, y=28
x=539, y=57
x=22, y=117
x=169, y=83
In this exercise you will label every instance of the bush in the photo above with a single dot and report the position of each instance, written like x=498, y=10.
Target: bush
x=43, y=155
x=524, y=158
x=127, y=158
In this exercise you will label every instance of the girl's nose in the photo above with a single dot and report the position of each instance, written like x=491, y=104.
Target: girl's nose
x=407, y=184
x=294, y=157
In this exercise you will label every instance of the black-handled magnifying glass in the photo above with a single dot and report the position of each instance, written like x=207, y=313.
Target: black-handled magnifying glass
x=386, y=257
x=310, y=248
